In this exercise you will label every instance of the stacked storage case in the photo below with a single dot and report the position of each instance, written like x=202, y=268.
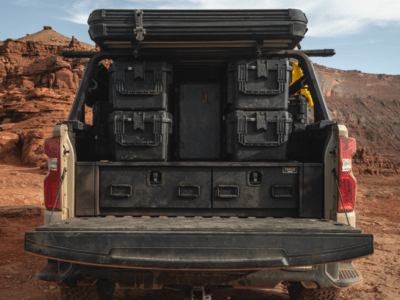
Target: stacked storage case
x=259, y=84
x=139, y=85
x=258, y=135
x=140, y=135
x=140, y=124
x=258, y=128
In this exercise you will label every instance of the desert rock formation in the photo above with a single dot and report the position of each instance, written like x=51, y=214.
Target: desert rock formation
x=37, y=88
x=369, y=105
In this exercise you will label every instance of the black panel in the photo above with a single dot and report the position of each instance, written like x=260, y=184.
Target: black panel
x=313, y=202
x=85, y=190
x=199, y=121
x=102, y=146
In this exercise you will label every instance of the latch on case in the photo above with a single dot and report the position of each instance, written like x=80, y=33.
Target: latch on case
x=138, y=121
x=139, y=30
x=262, y=69
x=138, y=70
x=262, y=121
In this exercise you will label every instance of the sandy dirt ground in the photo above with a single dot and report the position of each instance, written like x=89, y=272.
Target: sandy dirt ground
x=378, y=212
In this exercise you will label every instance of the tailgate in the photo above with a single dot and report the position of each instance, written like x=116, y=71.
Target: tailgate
x=199, y=243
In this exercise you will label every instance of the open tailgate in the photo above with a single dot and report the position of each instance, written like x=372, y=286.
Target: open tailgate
x=199, y=242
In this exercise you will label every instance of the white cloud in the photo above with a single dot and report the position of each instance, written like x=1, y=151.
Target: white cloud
x=333, y=17
x=80, y=10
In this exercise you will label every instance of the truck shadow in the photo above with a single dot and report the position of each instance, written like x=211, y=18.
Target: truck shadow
x=219, y=295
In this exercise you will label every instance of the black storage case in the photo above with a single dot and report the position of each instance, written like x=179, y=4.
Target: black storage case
x=259, y=84
x=138, y=85
x=116, y=29
x=298, y=108
x=199, y=121
x=140, y=136
x=257, y=135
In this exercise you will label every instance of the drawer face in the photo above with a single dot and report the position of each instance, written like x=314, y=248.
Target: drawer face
x=264, y=187
x=154, y=187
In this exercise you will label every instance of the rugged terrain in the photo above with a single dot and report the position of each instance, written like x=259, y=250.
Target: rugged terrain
x=369, y=105
x=378, y=212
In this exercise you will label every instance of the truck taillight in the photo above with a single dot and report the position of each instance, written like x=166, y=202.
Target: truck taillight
x=347, y=181
x=52, y=179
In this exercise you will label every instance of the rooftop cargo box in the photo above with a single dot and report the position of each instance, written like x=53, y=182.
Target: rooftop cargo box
x=276, y=29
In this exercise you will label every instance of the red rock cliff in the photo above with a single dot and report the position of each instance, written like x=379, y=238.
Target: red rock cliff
x=37, y=87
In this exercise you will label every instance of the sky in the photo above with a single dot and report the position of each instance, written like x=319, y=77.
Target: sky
x=365, y=33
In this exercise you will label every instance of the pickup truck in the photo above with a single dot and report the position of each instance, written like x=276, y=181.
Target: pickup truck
x=200, y=170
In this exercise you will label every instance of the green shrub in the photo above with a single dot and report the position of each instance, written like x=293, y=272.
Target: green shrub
x=22, y=88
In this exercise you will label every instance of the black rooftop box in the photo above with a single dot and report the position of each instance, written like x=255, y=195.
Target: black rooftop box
x=116, y=29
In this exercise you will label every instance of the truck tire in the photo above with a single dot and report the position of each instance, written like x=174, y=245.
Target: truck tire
x=299, y=292
x=101, y=290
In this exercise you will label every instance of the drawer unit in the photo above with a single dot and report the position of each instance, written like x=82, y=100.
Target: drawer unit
x=155, y=187
x=257, y=187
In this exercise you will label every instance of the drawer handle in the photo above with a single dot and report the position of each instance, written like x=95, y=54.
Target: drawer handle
x=189, y=191
x=283, y=191
x=121, y=190
x=228, y=191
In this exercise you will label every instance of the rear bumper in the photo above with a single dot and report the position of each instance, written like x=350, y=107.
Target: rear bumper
x=55, y=216
x=199, y=243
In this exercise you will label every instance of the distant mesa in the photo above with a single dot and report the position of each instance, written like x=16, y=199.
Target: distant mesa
x=48, y=36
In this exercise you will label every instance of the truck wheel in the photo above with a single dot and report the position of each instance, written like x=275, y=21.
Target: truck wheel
x=299, y=292
x=101, y=290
